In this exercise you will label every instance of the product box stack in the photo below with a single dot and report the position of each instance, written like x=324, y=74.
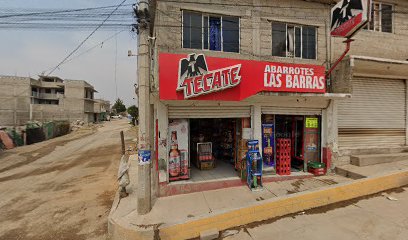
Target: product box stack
x=205, y=156
x=316, y=168
x=240, y=162
x=283, y=156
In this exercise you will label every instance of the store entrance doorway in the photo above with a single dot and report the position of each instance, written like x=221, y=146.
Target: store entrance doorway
x=291, y=127
x=301, y=132
x=213, y=148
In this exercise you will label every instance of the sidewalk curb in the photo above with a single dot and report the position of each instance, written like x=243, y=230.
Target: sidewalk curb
x=121, y=231
x=285, y=205
x=117, y=230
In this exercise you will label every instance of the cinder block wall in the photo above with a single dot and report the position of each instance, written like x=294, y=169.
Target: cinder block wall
x=15, y=95
x=255, y=26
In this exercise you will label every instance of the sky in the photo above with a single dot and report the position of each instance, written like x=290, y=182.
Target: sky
x=30, y=52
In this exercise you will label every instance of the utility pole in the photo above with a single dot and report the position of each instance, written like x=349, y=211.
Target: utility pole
x=141, y=10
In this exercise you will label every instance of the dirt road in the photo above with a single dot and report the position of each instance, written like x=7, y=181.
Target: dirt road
x=62, y=188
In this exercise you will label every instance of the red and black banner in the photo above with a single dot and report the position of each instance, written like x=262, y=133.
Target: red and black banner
x=197, y=77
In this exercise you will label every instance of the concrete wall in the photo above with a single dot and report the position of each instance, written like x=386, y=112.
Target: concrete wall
x=75, y=100
x=341, y=78
x=74, y=89
x=15, y=98
x=255, y=27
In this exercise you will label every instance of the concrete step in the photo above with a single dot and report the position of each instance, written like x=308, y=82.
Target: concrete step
x=374, y=150
x=349, y=171
x=372, y=159
x=267, y=170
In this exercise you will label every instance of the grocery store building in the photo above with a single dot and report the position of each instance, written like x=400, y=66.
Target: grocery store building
x=226, y=72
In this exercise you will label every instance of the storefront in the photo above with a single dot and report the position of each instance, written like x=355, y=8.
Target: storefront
x=208, y=140
x=302, y=132
x=210, y=107
x=374, y=119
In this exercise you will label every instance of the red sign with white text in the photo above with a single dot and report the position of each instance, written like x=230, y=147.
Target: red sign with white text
x=197, y=77
x=348, y=16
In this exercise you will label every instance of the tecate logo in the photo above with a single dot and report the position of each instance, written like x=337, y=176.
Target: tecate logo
x=195, y=79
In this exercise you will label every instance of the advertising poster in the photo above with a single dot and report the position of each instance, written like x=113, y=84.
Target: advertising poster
x=311, y=139
x=178, y=156
x=268, y=143
x=312, y=122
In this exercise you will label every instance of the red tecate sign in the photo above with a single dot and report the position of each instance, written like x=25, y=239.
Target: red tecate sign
x=349, y=16
x=197, y=77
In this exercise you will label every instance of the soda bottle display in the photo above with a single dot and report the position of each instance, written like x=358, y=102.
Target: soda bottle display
x=174, y=156
x=184, y=163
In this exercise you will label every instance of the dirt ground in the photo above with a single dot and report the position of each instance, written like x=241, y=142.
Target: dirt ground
x=62, y=188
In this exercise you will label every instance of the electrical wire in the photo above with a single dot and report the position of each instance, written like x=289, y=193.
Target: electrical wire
x=60, y=19
x=82, y=19
x=86, y=51
x=56, y=11
x=96, y=29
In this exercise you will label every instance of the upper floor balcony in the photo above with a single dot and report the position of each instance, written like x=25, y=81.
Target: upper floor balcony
x=46, y=95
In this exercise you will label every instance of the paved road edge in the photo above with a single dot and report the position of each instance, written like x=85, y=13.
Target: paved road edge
x=272, y=208
x=285, y=205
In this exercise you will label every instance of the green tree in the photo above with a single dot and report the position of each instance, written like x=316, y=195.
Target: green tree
x=134, y=112
x=119, y=106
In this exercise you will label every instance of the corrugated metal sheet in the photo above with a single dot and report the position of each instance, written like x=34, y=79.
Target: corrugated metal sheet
x=363, y=138
x=209, y=111
x=375, y=103
x=375, y=115
x=291, y=111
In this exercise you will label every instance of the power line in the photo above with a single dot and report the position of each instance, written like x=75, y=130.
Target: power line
x=96, y=29
x=86, y=51
x=57, y=11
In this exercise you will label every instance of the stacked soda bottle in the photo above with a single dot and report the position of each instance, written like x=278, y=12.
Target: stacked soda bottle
x=174, y=156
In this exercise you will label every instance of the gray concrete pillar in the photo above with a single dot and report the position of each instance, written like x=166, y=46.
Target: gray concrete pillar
x=143, y=189
x=257, y=124
x=145, y=133
x=330, y=130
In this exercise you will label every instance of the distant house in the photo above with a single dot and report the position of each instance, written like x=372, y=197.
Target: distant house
x=49, y=98
x=101, y=109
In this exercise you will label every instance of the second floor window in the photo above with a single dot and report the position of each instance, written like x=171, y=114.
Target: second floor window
x=217, y=33
x=294, y=41
x=381, y=17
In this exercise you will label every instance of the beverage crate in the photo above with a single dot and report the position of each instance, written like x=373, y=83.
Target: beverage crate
x=283, y=168
x=283, y=156
x=317, y=171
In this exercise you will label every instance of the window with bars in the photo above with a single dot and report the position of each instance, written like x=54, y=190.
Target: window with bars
x=216, y=33
x=381, y=18
x=294, y=41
